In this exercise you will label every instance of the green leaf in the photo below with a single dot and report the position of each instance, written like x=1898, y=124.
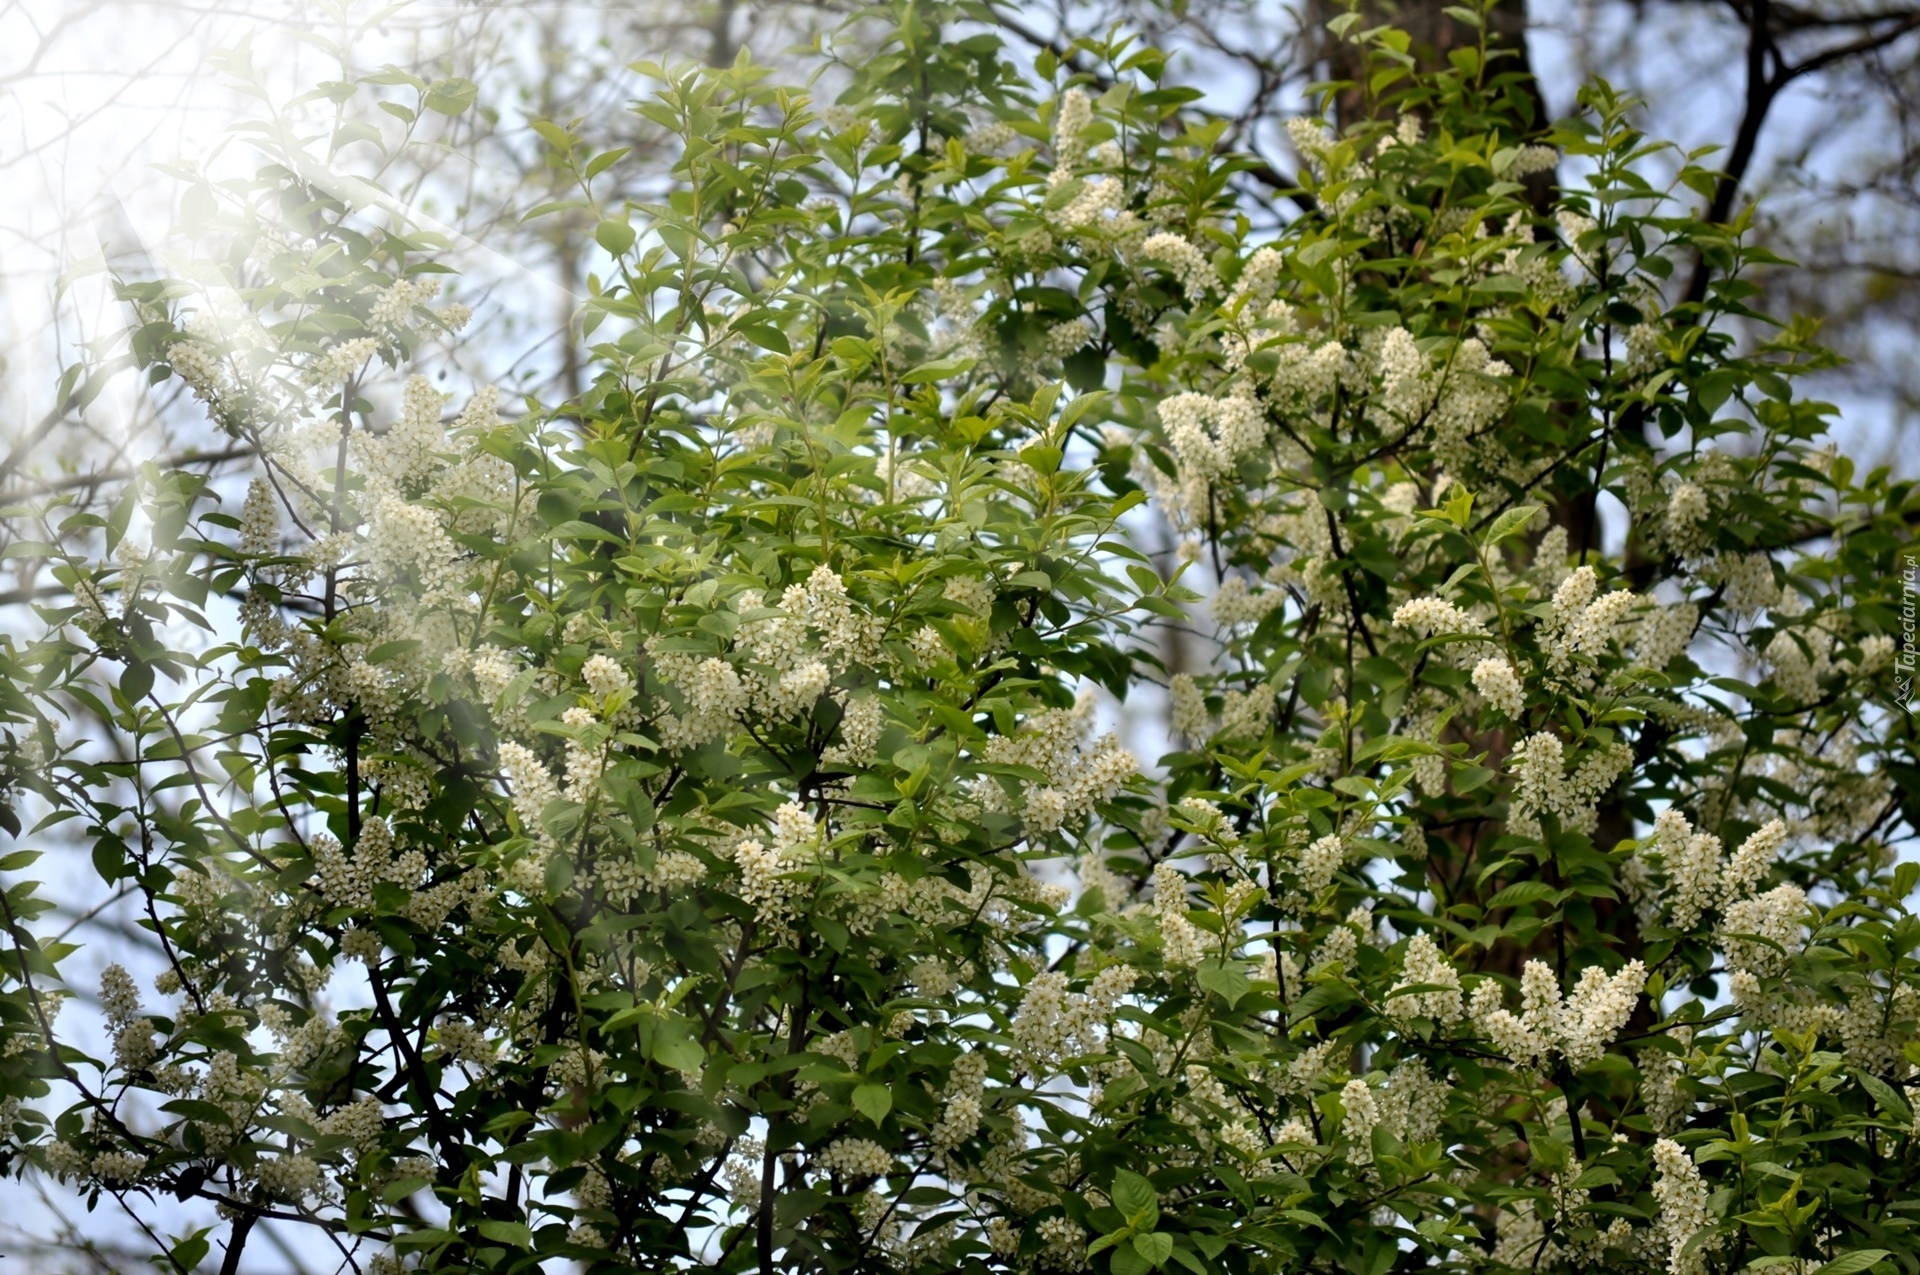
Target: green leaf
x=451, y=97
x=1227, y=981
x=1521, y=892
x=1136, y=1199
x=873, y=1101
x=1154, y=1248
x=615, y=236
x=1511, y=521
x=192, y=1250
x=938, y=370
x=137, y=680
x=603, y=161
x=671, y=1049
x=1468, y=778
x=1883, y=1093
x=1858, y=1260
x=514, y=1233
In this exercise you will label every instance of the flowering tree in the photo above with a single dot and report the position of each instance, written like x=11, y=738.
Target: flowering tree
x=674, y=826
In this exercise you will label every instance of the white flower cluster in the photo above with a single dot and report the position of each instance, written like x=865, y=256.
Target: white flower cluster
x=133, y=1045
x=1495, y=679
x=960, y=1112
x=1749, y=580
x=861, y=723
x=1582, y=626
x=1188, y=263
x=1429, y=617
x=1259, y=279
x=1052, y=1022
x=1189, y=718
x=1405, y=391
x=259, y=519
x=1319, y=862
x=213, y=363
x=1544, y=786
x=1696, y=880
x=1467, y=405
x=1074, y=114
x=1426, y=966
x=1578, y=1028
x=1664, y=634
x=1208, y=435
x=1182, y=945
x=1078, y=776
x=854, y=1158
x=1311, y=139
x=533, y=789
x=1685, y=523
x=1413, y=1102
x=1362, y=1117
x=791, y=660
x=339, y=363
x=1308, y=373
x=772, y=880
x=1235, y=603
x=1760, y=934
x=393, y=309
x=289, y=1177
x=1524, y=161
x=713, y=694
x=1682, y=1198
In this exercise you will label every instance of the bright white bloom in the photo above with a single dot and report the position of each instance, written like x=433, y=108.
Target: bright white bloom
x=1190, y=265
x=1070, y=126
x=1776, y=921
x=1686, y=515
x=119, y=994
x=1495, y=679
x=854, y=1158
x=1596, y=1010
x=1665, y=633
x=337, y=364
x=1363, y=1113
x=259, y=519
x=1182, y=942
x=1579, y=1028
x=1430, y=616
x=289, y=1177
x=1660, y=1090
x=533, y=786
x=123, y=1167
x=1319, y=862
x=1682, y=1197
x=1427, y=966
x=1543, y=784
x=1038, y=1030
x=1525, y=161
x=1692, y=861
x=1749, y=865
x=1259, y=278
x=1404, y=389
x=960, y=1117
x=1414, y=1102
x=605, y=678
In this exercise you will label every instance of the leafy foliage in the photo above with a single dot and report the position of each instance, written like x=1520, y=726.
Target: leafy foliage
x=670, y=826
